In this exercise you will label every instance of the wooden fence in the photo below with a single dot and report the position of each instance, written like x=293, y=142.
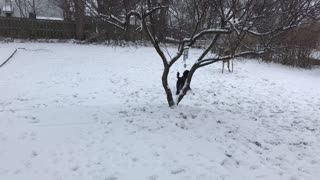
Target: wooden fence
x=36, y=29
x=55, y=29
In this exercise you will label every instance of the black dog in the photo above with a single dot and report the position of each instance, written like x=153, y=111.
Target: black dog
x=181, y=81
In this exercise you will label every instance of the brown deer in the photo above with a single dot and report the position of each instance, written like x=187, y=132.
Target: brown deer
x=227, y=52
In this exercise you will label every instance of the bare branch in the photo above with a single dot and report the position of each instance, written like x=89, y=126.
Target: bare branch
x=209, y=61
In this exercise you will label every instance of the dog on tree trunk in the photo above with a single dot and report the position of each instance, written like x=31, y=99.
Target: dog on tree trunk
x=181, y=81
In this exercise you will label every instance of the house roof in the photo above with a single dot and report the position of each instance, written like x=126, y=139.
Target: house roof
x=50, y=18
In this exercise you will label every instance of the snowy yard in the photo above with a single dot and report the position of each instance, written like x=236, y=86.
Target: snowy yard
x=93, y=112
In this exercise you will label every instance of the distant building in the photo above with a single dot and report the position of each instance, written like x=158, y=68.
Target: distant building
x=45, y=9
x=6, y=8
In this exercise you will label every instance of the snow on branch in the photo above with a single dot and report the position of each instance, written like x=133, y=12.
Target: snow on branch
x=111, y=19
x=133, y=13
x=206, y=32
x=117, y=19
x=258, y=34
x=209, y=61
x=170, y=39
x=149, y=12
x=188, y=42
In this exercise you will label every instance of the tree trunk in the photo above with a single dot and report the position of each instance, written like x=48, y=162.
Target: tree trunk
x=166, y=86
x=162, y=25
x=195, y=67
x=66, y=10
x=187, y=83
x=80, y=19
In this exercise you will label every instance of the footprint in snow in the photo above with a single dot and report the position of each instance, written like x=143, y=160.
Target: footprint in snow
x=75, y=168
x=111, y=178
x=153, y=177
x=135, y=159
x=178, y=171
x=34, y=154
x=230, y=162
x=32, y=119
x=18, y=171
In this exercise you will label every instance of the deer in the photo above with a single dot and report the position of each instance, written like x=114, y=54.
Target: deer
x=227, y=52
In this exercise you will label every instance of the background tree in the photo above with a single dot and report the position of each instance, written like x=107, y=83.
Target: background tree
x=80, y=18
x=68, y=8
x=30, y=6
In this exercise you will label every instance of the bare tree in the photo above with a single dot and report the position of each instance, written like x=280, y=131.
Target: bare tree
x=294, y=48
x=23, y=7
x=68, y=8
x=28, y=6
x=235, y=18
x=261, y=21
x=80, y=18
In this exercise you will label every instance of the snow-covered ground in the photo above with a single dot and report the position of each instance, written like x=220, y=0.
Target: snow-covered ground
x=93, y=112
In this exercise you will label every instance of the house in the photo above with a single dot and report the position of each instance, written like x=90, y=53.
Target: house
x=6, y=8
x=46, y=9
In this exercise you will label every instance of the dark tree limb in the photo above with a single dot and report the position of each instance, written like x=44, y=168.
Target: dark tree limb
x=9, y=58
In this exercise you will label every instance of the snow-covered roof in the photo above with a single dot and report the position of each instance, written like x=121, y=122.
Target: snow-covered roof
x=50, y=18
x=7, y=8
